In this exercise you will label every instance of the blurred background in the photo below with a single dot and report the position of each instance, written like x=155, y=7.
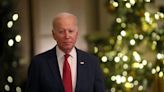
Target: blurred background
x=126, y=35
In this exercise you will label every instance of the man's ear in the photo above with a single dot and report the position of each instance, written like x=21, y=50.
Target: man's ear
x=53, y=34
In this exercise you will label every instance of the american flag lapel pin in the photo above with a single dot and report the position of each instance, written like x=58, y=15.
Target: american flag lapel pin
x=82, y=62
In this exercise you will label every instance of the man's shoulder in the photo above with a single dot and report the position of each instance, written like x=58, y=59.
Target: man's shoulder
x=86, y=54
x=45, y=54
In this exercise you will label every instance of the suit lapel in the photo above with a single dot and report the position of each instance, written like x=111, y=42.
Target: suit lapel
x=81, y=67
x=53, y=64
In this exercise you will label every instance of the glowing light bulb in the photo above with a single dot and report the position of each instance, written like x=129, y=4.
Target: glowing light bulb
x=140, y=88
x=125, y=58
x=117, y=59
x=135, y=82
x=130, y=78
x=18, y=38
x=123, y=25
x=106, y=70
x=18, y=89
x=10, y=24
x=128, y=5
x=125, y=66
x=132, y=42
x=160, y=74
x=15, y=17
x=128, y=85
x=119, y=37
x=118, y=20
x=144, y=62
x=123, y=79
x=153, y=71
x=124, y=73
x=104, y=59
x=7, y=87
x=113, y=89
x=115, y=4
x=113, y=78
x=136, y=56
x=123, y=33
x=9, y=79
x=136, y=36
x=11, y=42
x=147, y=1
x=157, y=68
x=132, y=2
x=118, y=79
x=156, y=16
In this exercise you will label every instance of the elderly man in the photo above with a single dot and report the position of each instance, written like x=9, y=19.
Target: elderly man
x=65, y=68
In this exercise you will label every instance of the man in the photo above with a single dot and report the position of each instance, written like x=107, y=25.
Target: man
x=48, y=72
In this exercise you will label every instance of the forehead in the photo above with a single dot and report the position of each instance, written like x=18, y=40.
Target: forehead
x=64, y=18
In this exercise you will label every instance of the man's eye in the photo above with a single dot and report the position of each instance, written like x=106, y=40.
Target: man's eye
x=70, y=31
x=61, y=31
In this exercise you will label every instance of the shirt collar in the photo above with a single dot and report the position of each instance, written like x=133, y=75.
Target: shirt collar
x=60, y=53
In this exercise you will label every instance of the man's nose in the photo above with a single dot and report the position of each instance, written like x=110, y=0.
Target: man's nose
x=66, y=34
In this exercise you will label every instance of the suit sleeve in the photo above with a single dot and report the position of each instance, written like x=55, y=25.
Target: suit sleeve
x=99, y=85
x=33, y=77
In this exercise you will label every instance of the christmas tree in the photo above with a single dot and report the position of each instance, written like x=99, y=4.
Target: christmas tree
x=9, y=47
x=132, y=53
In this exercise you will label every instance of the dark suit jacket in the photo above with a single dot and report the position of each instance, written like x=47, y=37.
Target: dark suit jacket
x=44, y=75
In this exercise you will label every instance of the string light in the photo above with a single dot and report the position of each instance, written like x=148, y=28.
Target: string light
x=106, y=70
x=125, y=66
x=117, y=59
x=153, y=71
x=136, y=36
x=156, y=16
x=104, y=59
x=147, y=1
x=132, y=2
x=132, y=42
x=160, y=56
x=15, y=17
x=11, y=42
x=18, y=38
x=160, y=74
x=18, y=89
x=7, y=87
x=119, y=37
x=113, y=78
x=128, y=5
x=123, y=25
x=123, y=79
x=140, y=88
x=141, y=37
x=118, y=79
x=144, y=62
x=124, y=73
x=125, y=58
x=135, y=82
x=115, y=4
x=118, y=20
x=136, y=56
x=9, y=79
x=10, y=24
x=96, y=49
x=157, y=68
x=130, y=78
x=135, y=65
x=123, y=33
x=129, y=85
x=113, y=89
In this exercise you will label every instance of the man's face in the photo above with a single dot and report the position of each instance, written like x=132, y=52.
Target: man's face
x=65, y=33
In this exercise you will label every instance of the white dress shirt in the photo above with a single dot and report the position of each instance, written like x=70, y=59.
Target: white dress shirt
x=72, y=60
